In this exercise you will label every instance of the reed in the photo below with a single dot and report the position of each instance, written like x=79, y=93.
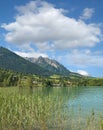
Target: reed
x=29, y=111
x=36, y=111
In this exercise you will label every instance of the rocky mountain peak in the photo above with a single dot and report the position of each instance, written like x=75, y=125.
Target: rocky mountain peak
x=51, y=65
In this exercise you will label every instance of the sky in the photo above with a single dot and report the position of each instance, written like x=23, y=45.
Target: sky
x=69, y=31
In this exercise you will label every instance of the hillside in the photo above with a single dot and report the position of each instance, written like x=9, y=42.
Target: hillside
x=38, y=66
x=11, y=61
x=53, y=66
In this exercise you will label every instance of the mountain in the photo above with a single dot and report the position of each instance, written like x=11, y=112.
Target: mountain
x=11, y=61
x=51, y=65
x=39, y=66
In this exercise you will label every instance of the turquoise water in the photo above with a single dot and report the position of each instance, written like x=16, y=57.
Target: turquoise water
x=83, y=106
x=58, y=108
x=87, y=99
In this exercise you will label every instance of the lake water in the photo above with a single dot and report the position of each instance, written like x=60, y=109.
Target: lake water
x=86, y=99
x=84, y=105
x=57, y=108
x=76, y=108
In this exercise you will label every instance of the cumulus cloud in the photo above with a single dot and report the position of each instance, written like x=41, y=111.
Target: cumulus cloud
x=87, y=13
x=82, y=58
x=83, y=72
x=30, y=54
x=41, y=24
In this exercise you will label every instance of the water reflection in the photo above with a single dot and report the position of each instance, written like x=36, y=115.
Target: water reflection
x=84, y=98
x=77, y=98
x=68, y=108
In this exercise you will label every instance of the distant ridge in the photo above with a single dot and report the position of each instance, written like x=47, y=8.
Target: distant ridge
x=51, y=65
x=54, y=66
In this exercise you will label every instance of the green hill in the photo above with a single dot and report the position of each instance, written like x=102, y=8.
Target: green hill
x=11, y=61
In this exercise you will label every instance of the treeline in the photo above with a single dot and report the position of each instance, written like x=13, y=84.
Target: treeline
x=10, y=78
x=90, y=82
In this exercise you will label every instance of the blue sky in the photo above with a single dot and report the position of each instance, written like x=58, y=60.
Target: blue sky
x=70, y=31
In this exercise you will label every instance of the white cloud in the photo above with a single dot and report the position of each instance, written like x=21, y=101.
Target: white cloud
x=30, y=54
x=82, y=58
x=87, y=13
x=41, y=24
x=83, y=72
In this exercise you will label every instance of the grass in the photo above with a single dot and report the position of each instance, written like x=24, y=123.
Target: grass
x=23, y=110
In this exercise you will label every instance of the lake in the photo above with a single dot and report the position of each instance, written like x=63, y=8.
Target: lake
x=83, y=105
x=57, y=108
x=85, y=98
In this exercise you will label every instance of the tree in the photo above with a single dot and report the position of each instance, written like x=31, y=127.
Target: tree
x=30, y=82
